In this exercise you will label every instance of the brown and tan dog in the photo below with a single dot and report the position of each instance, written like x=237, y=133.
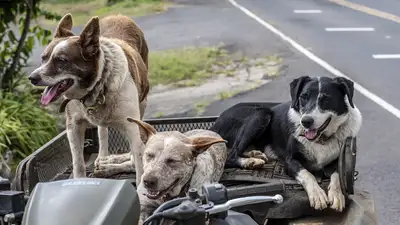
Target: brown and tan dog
x=102, y=74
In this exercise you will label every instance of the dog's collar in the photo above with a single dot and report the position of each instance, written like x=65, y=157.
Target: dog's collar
x=89, y=109
x=323, y=139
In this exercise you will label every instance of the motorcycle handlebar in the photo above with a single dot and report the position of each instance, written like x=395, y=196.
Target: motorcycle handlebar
x=244, y=201
x=216, y=198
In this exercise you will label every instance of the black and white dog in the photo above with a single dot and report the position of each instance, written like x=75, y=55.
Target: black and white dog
x=306, y=133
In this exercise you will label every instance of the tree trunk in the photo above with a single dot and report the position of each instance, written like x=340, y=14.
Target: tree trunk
x=7, y=79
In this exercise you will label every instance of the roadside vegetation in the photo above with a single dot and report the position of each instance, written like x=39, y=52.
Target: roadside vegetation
x=185, y=67
x=24, y=126
x=83, y=10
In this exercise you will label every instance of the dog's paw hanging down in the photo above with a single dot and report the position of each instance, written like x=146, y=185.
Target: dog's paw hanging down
x=335, y=195
x=316, y=195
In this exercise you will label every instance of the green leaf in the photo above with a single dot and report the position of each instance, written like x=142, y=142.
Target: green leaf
x=11, y=36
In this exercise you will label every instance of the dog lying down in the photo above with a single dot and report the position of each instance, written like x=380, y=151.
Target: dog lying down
x=305, y=133
x=174, y=162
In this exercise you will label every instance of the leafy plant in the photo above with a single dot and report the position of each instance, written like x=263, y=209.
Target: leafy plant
x=24, y=126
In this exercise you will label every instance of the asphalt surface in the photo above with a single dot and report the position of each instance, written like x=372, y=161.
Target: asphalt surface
x=350, y=52
x=209, y=22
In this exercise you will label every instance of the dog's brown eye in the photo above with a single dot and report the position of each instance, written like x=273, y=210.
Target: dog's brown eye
x=44, y=57
x=60, y=59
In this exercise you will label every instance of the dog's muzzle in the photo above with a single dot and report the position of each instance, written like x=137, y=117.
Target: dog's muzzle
x=313, y=134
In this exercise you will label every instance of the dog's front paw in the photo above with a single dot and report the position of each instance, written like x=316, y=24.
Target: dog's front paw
x=318, y=198
x=99, y=161
x=256, y=154
x=252, y=163
x=336, y=199
x=102, y=170
x=113, y=159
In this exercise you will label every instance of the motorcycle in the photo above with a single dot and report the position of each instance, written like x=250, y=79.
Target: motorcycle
x=104, y=201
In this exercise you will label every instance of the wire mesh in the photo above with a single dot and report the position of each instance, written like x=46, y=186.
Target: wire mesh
x=53, y=161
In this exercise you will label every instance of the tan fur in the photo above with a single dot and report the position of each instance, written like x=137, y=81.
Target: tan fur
x=126, y=33
x=107, y=63
x=176, y=162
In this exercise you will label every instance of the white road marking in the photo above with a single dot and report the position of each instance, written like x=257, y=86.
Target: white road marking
x=332, y=29
x=306, y=11
x=386, y=56
x=373, y=97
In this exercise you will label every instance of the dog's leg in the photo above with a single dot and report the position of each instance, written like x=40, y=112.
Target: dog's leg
x=115, y=159
x=335, y=195
x=247, y=134
x=132, y=132
x=76, y=137
x=103, y=141
x=316, y=194
x=106, y=170
x=104, y=157
x=102, y=132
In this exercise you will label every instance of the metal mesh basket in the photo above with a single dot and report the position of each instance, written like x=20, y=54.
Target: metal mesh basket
x=118, y=143
x=53, y=160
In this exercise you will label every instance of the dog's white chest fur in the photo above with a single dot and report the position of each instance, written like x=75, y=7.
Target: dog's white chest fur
x=320, y=155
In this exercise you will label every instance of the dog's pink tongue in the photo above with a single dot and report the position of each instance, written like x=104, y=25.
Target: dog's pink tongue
x=49, y=94
x=310, y=133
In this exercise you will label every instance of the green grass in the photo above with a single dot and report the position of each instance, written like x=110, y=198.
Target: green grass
x=184, y=67
x=201, y=107
x=83, y=10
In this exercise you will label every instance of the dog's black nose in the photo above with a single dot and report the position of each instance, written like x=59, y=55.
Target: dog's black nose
x=307, y=121
x=150, y=182
x=34, y=80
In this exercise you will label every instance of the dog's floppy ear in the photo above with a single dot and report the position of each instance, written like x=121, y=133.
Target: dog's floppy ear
x=296, y=86
x=64, y=27
x=347, y=86
x=150, y=131
x=89, y=39
x=201, y=144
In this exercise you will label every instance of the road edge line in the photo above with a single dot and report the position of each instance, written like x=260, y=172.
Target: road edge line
x=373, y=97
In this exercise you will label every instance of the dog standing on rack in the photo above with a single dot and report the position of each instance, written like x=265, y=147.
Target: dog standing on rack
x=102, y=74
x=174, y=162
x=306, y=133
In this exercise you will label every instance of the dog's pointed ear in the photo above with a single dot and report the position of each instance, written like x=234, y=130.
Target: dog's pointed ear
x=347, y=86
x=150, y=131
x=89, y=39
x=64, y=27
x=296, y=86
x=201, y=144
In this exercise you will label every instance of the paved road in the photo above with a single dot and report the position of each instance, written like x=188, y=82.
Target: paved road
x=351, y=53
